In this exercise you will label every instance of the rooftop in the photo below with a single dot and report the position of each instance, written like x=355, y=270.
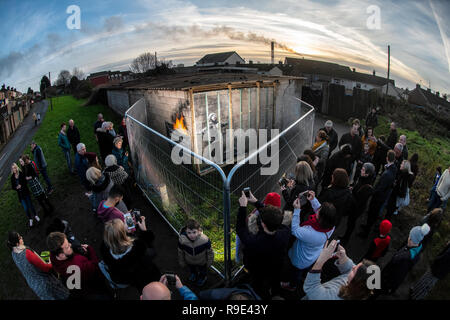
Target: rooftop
x=216, y=57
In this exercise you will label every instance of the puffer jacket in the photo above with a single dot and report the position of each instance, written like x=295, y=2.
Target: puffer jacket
x=197, y=253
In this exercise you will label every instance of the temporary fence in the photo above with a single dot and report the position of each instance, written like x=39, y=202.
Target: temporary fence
x=181, y=191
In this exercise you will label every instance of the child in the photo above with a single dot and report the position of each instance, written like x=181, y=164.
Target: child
x=194, y=251
x=379, y=246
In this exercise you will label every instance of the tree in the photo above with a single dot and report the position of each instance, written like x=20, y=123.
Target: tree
x=29, y=91
x=3, y=87
x=77, y=72
x=63, y=78
x=45, y=83
x=143, y=63
x=74, y=82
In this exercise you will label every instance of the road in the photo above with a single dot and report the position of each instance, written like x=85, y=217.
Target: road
x=19, y=142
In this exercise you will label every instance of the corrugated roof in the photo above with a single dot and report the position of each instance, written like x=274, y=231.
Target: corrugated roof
x=198, y=81
x=297, y=66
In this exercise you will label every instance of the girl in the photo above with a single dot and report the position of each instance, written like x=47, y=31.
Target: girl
x=19, y=184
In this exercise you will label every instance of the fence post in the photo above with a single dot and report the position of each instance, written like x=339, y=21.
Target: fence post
x=226, y=231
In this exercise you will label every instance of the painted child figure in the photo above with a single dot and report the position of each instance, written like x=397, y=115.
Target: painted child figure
x=195, y=252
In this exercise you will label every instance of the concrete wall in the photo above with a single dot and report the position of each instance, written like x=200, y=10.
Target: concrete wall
x=118, y=100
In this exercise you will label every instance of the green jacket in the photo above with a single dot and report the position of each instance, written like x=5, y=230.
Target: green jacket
x=63, y=141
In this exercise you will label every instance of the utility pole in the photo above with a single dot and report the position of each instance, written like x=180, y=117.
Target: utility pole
x=51, y=101
x=388, y=70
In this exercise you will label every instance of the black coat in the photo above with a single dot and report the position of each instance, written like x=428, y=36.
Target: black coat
x=441, y=265
x=23, y=191
x=397, y=269
x=332, y=139
x=380, y=152
x=385, y=184
x=341, y=198
x=136, y=267
x=289, y=197
x=372, y=120
x=337, y=160
x=355, y=142
x=392, y=139
x=362, y=191
x=73, y=135
x=105, y=143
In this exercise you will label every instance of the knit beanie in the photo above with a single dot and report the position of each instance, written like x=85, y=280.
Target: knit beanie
x=369, y=168
x=385, y=227
x=418, y=233
x=110, y=160
x=273, y=199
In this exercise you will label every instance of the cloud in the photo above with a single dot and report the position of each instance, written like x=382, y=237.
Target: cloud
x=113, y=23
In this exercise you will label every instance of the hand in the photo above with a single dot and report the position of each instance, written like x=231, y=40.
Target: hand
x=341, y=255
x=18, y=187
x=252, y=198
x=178, y=283
x=28, y=178
x=326, y=253
x=126, y=153
x=282, y=188
x=85, y=247
x=311, y=195
x=243, y=200
x=297, y=203
x=291, y=184
x=141, y=224
x=163, y=280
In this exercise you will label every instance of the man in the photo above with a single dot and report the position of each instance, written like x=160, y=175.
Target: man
x=105, y=140
x=64, y=259
x=398, y=150
x=402, y=140
x=98, y=124
x=159, y=291
x=82, y=160
x=332, y=135
x=265, y=251
x=64, y=143
x=113, y=207
x=382, y=192
x=393, y=136
x=353, y=139
x=73, y=135
x=39, y=159
x=372, y=119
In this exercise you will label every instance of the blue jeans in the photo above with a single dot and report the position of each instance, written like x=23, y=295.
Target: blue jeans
x=435, y=201
x=200, y=271
x=28, y=206
x=68, y=159
x=46, y=178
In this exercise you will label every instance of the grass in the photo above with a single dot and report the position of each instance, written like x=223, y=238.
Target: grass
x=12, y=214
x=433, y=152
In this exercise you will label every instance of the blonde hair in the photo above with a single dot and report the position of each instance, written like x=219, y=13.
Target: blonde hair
x=303, y=173
x=93, y=174
x=115, y=236
x=117, y=139
x=14, y=165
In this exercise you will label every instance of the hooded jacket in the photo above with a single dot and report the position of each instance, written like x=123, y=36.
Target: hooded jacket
x=197, y=252
x=109, y=213
x=105, y=142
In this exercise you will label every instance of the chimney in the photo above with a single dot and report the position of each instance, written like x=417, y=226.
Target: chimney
x=374, y=72
x=428, y=89
x=444, y=96
x=354, y=70
x=417, y=86
x=437, y=93
x=272, y=45
x=250, y=62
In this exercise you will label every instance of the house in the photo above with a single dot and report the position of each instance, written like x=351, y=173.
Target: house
x=393, y=91
x=221, y=58
x=319, y=73
x=426, y=98
x=109, y=77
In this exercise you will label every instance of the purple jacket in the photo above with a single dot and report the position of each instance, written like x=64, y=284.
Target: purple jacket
x=110, y=213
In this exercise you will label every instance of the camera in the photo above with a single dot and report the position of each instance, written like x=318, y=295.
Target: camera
x=283, y=182
x=303, y=196
x=247, y=192
x=171, y=279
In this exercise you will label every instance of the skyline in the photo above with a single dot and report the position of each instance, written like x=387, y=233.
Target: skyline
x=111, y=35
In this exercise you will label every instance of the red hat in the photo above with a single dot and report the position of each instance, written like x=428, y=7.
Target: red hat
x=273, y=199
x=385, y=227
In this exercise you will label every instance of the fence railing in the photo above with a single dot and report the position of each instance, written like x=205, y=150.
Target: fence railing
x=179, y=191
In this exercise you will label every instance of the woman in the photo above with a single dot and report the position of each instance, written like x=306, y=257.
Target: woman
x=350, y=285
x=120, y=154
x=129, y=260
x=400, y=194
x=304, y=181
x=119, y=177
x=339, y=194
x=361, y=191
x=37, y=273
x=35, y=185
x=101, y=184
x=305, y=157
x=321, y=150
x=433, y=219
x=370, y=139
x=123, y=133
x=19, y=184
x=310, y=236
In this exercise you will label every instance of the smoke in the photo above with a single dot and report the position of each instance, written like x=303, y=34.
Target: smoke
x=231, y=33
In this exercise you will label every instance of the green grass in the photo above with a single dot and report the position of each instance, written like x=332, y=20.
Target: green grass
x=433, y=152
x=12, y=214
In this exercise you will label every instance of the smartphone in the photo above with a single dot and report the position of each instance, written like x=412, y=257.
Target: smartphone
x=137, y=215
x=247, y=192
x=337, y=247
x=303, y=196
x=171, y=280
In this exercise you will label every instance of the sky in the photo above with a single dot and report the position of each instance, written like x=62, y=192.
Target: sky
x=36, y=40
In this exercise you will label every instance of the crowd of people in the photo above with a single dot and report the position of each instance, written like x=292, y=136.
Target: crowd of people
x=299, y=246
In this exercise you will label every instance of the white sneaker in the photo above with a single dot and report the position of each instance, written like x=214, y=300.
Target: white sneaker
x=37, y=218
x=31, y=223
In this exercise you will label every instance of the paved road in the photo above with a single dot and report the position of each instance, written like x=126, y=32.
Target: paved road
x=19, y=142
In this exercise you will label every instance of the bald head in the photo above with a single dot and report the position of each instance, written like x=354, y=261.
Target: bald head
x=155, y=291
x=71, y=123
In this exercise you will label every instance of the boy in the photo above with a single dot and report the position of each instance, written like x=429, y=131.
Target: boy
x=380, y=245
x=194, y=251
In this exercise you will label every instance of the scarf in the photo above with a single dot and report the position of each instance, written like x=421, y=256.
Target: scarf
x=318, y=144
x=314, y=223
